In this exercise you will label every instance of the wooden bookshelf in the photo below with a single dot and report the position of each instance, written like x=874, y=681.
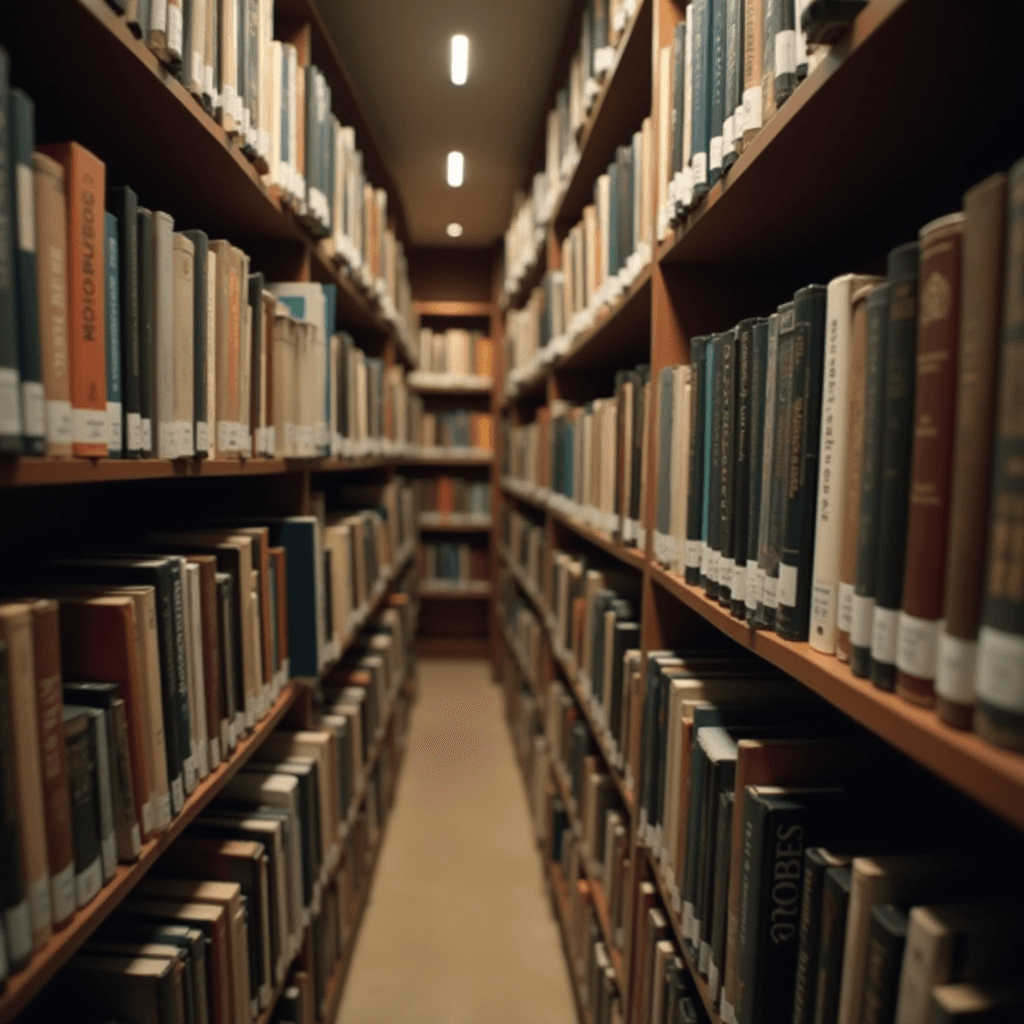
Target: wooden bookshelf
x=454, y=309
x=480, y=590
x=454, y=457
x=454, y=522
x=449, y=384
x=46, y=962
x=633, y=557
x=560, y=898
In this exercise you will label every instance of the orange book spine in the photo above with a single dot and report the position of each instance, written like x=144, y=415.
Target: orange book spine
x=85, y=189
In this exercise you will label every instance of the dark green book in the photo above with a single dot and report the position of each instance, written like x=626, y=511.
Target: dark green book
x=779, y=823
x=817, y=860
x=897, y=449
x=10, y=361
x=717, y=84
x=870, y=481
x=112, y=308
x=720, y=889
x=759, y=618
x=695, y=494
x=835, y=902
x=886, y=941
x=756, y=424
x=733, y=79
x=200, y=414
x=796, y=554
x=727, y=458
x=665, y=416
x=741, y=465
x=784, y=45
x=709, y=571
x=33, y=398
x=124, y=205
x=146, y=327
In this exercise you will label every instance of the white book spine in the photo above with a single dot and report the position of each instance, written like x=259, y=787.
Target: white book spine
x=163, y=335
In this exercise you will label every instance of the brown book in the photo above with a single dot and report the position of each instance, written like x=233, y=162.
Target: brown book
x=84, y=194
x=261, y=557
x=938, y=342
x=184, y=345
x=483, y=357
x=225, y=284
x=16, y=633
x=216, y=713
x=280, y=557
x=854, y=466
x=981, y=302
x=50, y=708
x=51, y=286
x=100, y=642
x=212, y=919
x=130, y=987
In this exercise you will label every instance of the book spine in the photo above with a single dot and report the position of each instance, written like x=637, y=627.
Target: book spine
x=717, y=86
x=741, y=467
x=695, y=491
x=33, y=402
x=931, y=471
x=726, y=561
x=181, y=697
x=164, y=426
x=885, y=954
x=753, y=27
x=876, y=314
x=759, y=616
x=805, y=985
x=10, y=373
x=50, y=709
x=999, y=716
x=769, y=26
x=13, y=901
x=797, y=552
x=850, y=513
x=99, y=743
x=897, y=435
x=733, y=81
x=201, y=303
x=84, y=809
x=111, y=263
x=980, y=307
x=757, y=424
x=146, y=328
x=127, y=830
x=835, y=902
x=125, y=206
x=183, y=340
x=701, y=52
x=715, y=467
x=785, y=51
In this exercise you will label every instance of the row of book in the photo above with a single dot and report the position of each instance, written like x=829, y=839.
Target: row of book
x=596, y=460
x=530, y=330
x=456, y=351
x=525, y=235
x=524, y=542
x=804, y=883
x=729, y=68
x=123, y=337
x=523, y=630
x=458, y=564
x=870, y=506
x=449, y=495
x=523, y=711
x=453, y=428
x=216, y=926
x=279, y=111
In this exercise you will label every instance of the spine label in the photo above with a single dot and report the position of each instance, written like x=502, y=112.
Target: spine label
x=955, y=671
x=917, y=646
x=1000, y=679
x=884, y=635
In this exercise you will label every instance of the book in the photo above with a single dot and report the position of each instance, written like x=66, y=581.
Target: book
x=10, y=369
x=980, y=309
x=84, y=805
x=146, y=331
x=886, y=942
x=952, y=1004
x=101, y=770
x=145, y=988
x=124, y=205
x=932, y=465
x=84, y=192
x=896, y=452
x=112, y=308
x=203, y=304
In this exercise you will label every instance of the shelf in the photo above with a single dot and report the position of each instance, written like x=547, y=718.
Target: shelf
x=857, y=148
x=560, y=898
x=526, y=586
x=435, y=592
x=449, y=457
x=619, y=110
x=455, y=522
x=614, y=336
x=532, y=386
x=992, y=777
x=430, y=383
x=632, y=557
x=25, y=985
x=533, y=277
x=454, y=310
x=600, y=904
x=522, y=491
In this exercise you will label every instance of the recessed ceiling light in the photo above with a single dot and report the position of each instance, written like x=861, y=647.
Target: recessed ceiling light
x=454, y=230
x=460, y=59
x=456, y=167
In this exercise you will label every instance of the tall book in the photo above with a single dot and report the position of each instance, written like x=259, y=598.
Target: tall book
x=10, y=372
x=164, y=421
x=759, y=426
x=22, y=131
x=931, y=471
x=112, y=309
x=896, y=450
x=202, y=301
x=84, y=191
x=183, y=261
x=981, y=301
x=124, y=205
x=51, y=279
x=146, y=328
x=999, y=716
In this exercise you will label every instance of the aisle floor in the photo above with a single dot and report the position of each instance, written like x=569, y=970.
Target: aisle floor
x=458, y=929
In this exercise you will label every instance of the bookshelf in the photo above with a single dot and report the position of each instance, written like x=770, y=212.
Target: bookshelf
x=848, y=167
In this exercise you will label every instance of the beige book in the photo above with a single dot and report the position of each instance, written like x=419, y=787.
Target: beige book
x=283, y=359
x=647, y=213
x=591, y=261
x=184, y=345
x=194, y=61
x=51, y=286
x=16, y=633
x=164, y=377
x=225, y=288
x=244, y=356
x=211, y=350
x=229, y=109
x=210, y=44
x=268, y=305
x=337, y=540
x=321, y=746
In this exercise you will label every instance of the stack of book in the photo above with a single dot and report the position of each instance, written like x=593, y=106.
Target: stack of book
x=279, y=112
x=727, y=71
x=452, y=498
x=597, y=457
x=843, y=471
x=606, y=250
x=135, y=340
x=530, y=332
x=524, y=237
x=875, y=896
x=456, y=353
x=455, y=566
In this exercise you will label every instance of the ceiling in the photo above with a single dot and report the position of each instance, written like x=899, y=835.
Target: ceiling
x=396, y=54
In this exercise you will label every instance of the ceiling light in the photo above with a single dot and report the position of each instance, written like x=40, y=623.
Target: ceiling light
x=454, y=230
x=460, y=59
x=456, y=167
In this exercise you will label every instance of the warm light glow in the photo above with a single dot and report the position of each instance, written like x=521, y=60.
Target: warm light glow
x=460, y=59
x=456, y=167
x=454, y=230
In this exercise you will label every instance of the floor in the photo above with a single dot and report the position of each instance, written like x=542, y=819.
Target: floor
x=459, y=929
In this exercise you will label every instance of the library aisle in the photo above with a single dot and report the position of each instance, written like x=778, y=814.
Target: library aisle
x=458, y=927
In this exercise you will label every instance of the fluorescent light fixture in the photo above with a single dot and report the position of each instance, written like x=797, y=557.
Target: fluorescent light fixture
x=460, y=59
x=456, y=168
x=454, y=230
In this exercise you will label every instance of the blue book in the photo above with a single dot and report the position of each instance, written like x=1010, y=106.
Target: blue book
x=112, y=307
x=717, y=79
x=700, y=90
x=300, y=537
x=33, y=403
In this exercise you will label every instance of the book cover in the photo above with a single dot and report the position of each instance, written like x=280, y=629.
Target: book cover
x=202, y=302
x=185, y=314
x=758, y=424
x=762, y=612
x=124, y=205
x=146, y=329
x=743, y=432
x=84, y=804
x=112, y=311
